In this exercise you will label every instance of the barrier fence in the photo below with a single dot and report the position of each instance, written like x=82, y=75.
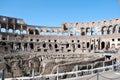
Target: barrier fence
x=72, y=74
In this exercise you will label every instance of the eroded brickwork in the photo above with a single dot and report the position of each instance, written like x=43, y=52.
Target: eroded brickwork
x=37, y=46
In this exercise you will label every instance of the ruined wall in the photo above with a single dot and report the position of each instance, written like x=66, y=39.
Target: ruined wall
x=70, y=37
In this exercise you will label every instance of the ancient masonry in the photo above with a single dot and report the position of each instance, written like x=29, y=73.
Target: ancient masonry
x=73, y=40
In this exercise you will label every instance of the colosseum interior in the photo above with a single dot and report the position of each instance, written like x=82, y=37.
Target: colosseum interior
x=25, y=47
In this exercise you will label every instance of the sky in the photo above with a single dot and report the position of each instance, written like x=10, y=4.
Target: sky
x=54, y=12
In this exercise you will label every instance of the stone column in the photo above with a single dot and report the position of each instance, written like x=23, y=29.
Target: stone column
x=7, y=37
x=0, y=27
x=7, y=27
x=103, y=65
x=76, y=70
x=22, y=46
x=28, y=47
x=21, y=29
x=14, y=28
x=81, y=45
x=14, y=46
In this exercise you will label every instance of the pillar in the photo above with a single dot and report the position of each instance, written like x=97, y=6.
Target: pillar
x=57, y=72
x=76, y=70
x=7, y=37
x=14, y=46
x=103, y=65
x=7, y=27
x=14, y=28
x=21, y=29
x=28, y=47
x=0, y=27
x=92, y=68
x=22, y=46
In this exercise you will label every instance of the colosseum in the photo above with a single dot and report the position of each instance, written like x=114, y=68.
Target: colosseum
x=44, y=50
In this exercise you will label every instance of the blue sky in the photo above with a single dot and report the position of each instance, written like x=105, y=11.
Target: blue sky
x=54, y=12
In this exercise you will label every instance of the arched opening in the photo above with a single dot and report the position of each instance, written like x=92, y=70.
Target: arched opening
x=48, y=30
x=78, y=45
x=31, y=32
x=42, y=33
x=71, y=31
x=67, y=45
x=88, y=31
x=44, y=45
x=10, y=30
x=116, y=29
x=102, y=45
x=36, y=32
x=17, y=31
x=118, y=45
x=88, y=44
x=91, y=46
x=56, y=46
x=3, y=30
x=113, y=45
x=60, y=34
x=53, y=33
x=65, y=34
x=93, y=30
x=31, y=46
x=50, y=46
x=3, y=43
x=104, y=30
x=99, y=33
x=82, y=33
x=24, y=32
x=3, y=27
x=77, y=34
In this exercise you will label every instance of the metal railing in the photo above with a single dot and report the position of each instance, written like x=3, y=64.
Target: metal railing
x=77, y=73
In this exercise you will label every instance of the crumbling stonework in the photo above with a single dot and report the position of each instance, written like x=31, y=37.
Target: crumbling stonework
x=25, y=47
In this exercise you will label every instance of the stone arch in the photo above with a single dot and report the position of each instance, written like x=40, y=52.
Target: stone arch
x=17, y=31
x=31, y=31
x=88, y=44
x=91, y=47
x=113, y=45
x=88, y=31
x=3, y=28
x=60, y=33
x=56, y=46
x=102, y=45
x=118, y=45
x=116, y=28
x=93, y=30
x=67, y=45
x=50, y=46
x=31, y=45
x=44, y=45
x=77, y=33
x=82, y=32
x=78, y=45
x=110, y=29
x=42, y=32
x=65, y=33
x=104, y=30
x=10, y=29
x=71, y=31
x=24, y=32
x=36, y=32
